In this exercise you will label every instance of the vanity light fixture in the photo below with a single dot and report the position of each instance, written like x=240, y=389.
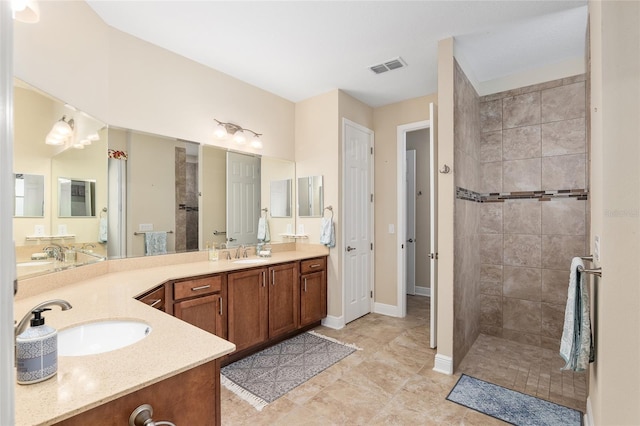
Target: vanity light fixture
x=225, y=129
x=61, y=131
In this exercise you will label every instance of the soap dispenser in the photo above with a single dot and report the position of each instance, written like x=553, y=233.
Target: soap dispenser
x=37, y=351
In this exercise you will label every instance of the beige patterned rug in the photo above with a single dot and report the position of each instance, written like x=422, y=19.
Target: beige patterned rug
x=265, y=376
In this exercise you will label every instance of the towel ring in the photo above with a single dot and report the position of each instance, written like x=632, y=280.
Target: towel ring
x=330, y=208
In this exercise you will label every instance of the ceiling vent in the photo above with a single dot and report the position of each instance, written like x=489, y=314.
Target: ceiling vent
x=390, y=65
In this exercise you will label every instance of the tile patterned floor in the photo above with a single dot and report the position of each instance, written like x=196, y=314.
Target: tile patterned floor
x=391, y=381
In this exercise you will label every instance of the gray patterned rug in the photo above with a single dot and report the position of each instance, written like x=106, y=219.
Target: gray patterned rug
x=511, y=406
x=265, y=376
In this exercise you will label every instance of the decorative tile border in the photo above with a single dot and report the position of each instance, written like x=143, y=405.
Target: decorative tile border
x=499, y=197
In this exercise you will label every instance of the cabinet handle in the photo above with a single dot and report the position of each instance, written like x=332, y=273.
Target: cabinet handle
x=273, y=277
x=264, y=278
x=202, y=287
x=220, y=310
x=315, y=265
x=305, y=285
x=155, y=302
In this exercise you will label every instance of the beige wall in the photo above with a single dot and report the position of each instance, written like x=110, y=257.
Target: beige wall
x=446, y=195
x=150, y=188
x=132, y=84
x=316, y=153
x=615, y=199
x=386, y=121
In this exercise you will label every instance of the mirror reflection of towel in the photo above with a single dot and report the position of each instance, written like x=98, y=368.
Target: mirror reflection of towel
x=155, y=243
x=263, y=230
x=102, y=230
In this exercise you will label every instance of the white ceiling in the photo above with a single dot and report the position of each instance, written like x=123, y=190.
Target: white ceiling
x=300, y=49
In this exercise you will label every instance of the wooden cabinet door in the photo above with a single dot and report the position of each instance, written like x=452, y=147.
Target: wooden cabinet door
x=247, y=308
x=313, y=297
x=155, y=298
x=205, y=312
x=284, y=299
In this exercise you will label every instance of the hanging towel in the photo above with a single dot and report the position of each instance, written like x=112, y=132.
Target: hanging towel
x=576, y=346
x=263, y=230
x=102, y=230
x=155, y=243
x=327, y=233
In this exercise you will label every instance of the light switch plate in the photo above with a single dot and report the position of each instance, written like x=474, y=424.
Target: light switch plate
x=145, y=227
x=38, y=230
x=62, y=229
x=392, y=228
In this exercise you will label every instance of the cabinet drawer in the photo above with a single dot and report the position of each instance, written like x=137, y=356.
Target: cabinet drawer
x=154, y=298
x=313, y=265
x=197, y=287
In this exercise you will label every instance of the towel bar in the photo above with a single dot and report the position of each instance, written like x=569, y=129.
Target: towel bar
x=596, y=271
x=142, y=233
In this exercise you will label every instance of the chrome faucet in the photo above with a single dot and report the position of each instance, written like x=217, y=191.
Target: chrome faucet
x=22, y=325
x=54, y=250
x=240, y=247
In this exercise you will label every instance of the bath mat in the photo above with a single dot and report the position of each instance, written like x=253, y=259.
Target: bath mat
x=511, y=406
x=265, y=376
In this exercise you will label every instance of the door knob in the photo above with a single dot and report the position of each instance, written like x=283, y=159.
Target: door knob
x=410, y=240
x=349, y=248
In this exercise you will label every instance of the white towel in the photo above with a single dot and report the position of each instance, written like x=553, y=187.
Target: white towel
x=263, y=230
x=576, y=347
x=327, y=233
x=102, y=230
x=155, y=243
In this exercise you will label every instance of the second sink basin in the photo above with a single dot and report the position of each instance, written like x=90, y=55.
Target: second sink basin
x=249, y=261
x=100, y=336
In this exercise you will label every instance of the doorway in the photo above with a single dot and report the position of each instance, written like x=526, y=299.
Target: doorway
x=417, y=239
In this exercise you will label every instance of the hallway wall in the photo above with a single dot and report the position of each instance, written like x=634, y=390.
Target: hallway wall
x=533, y=139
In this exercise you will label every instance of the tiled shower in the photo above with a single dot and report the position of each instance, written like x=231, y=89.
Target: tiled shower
x=521, y=209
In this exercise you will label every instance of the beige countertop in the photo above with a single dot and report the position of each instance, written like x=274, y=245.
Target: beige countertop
x=173, y=346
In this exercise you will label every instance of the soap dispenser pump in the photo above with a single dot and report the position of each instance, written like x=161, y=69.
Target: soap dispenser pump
x=37, y=351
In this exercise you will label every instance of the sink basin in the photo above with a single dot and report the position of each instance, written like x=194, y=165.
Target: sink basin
x=34, y=263
x=250, y=261
x=100, y=336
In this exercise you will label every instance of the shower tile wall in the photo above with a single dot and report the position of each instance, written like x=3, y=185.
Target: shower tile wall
x=467, y=216
x=532, y=139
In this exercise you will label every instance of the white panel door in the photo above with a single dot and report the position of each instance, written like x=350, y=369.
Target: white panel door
x=358, y=219
x=243, y=198
x=433, y=194
x=411, y=221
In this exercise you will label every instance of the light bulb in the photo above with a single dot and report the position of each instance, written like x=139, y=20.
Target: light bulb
x=220, y=131
x=239, y=137
x=256, y=143
x=18, y=5
x=54, y=138
x=62, y=128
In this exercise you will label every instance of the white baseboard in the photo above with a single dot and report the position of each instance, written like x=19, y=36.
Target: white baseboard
x=333, y=322
x=383, y=309
x=423, y=291
x=443, y=364
x=588, y=416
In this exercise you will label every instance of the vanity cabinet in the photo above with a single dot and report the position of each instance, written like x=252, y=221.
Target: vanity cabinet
x=200, y=301
x=284, y=299
x=313, y=290
x=247, y=315
x=264, y=304
x=155, y=298
x=188, y=398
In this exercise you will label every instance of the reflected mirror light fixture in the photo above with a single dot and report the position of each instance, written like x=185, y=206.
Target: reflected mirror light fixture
x=239, y=136
x=61, y=131
x=26, y=11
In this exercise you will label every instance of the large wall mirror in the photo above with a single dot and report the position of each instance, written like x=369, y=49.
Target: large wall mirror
x=59, y=186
